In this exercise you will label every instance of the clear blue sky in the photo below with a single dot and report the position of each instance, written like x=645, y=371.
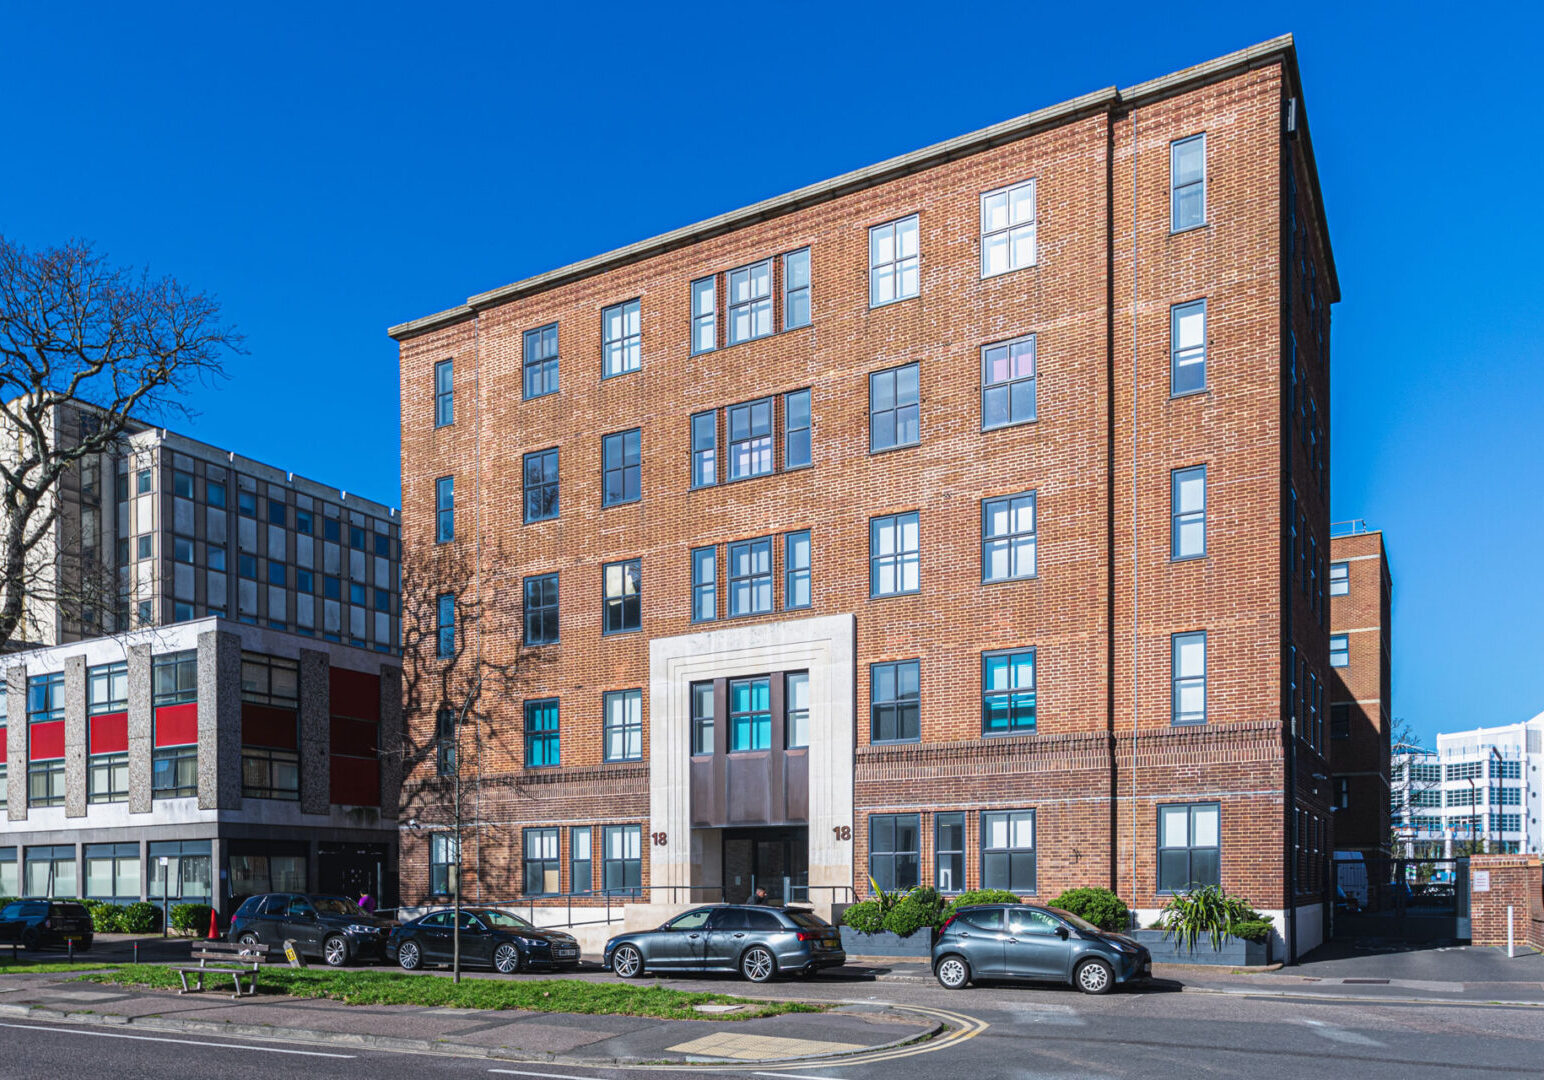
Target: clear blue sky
x=328, y=174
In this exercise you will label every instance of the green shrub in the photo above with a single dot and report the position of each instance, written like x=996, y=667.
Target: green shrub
x=980, y=896
x=141, y=918
x=1206, y=911
x=865, y=917
x=191, y=917
x=910, y=914
x=1099, y=906
x=1253, y=929
x=4, y=900
x=105, y=918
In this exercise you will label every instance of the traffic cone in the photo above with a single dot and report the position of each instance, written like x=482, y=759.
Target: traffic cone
x=214, y=926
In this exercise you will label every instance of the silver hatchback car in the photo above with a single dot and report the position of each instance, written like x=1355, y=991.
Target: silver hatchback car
x=758, y=942
x=1024, y=941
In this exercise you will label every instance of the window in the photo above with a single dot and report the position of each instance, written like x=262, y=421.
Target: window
x=541, y=361
x=1340, y=720
x=356, y=592
x=444, y=863
x=356, y=538
x=269, y=773
x=541, y=610
x=796, y=289
x=445, y=743
x=383, y=600
x=750, y=439
x=270, y=680
x=1008, y=692
x=623, y=456
x=796, y=429
x=1187, y=348
x=894, y=409
x=1008, y=229
x=331, y=529
x=1008, y=374
x=1008, y=850
x=444, y=509
x=174, y=678
x=542, y=862
x=894, y=555
x=142, y=482
x=214, y=494
x=750, y=715
x=1506, y=770
x=541, y=733
x=622, y=869
x=541, y=485
x=246, y=566
x=1340, y=650
x=1188, y=667
x=215, y=557
x=444, y=394
x=750, y=577
x=750, y=302
x=581, y=870
x=50, y=871
x=107, y=778
x=621, y=339
x=112, y=872
x=182, y=485
x=896, y=700
x=796, y=570
x=704, y=316
x=383, y=545
x=183, y=612
x=704, y=584
x=146, y=611
x=332, y=588
x=702, y=717
x=1465, y=797
x=107, y=689
x=1340, y=578
x=624, y=725
x=278, y=513
x=182, y=550
x=623, y=583
x=246, y=504
x=1187, y=183
x=1008, y=537
x=1466, y=770
x=796, y=709
x=949, y=852
x=893, y=261
x=276, y=575
x=445, y=625
x=705, y=449
x=1188, y=847
x=895, y=850
x=1187, y=513
x=144, y=546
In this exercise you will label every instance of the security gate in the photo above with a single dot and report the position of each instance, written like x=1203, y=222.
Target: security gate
x=1399, y=899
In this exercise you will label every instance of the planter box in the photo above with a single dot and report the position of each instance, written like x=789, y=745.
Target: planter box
x=884, y=943
x=1235, y=952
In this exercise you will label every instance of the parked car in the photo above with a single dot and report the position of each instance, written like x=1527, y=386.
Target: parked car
x=758, y=942
x=331, y=927
x=489, y=938
x=45, y=924
x=1025, y=941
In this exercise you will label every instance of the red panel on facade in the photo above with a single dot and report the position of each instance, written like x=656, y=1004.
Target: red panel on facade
x=2, y=745
x=353, y=737
x=263, y=725
x=176, y=725
x=45, y=741
x=355, y=781
x=354, y=693
x=110, y=733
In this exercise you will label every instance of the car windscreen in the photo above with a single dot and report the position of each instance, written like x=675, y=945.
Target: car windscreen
x=808, y=921
x=337, y=905
x=72, y=911
x=1075, y=920
x=503, y=920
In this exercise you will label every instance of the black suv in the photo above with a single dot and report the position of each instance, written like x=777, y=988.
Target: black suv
x=40, y=924
x=331, y=927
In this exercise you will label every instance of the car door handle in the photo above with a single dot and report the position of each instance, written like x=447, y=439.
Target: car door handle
x=1013, y=941
x=964, y=934
x=693, y=936
x=739, y=935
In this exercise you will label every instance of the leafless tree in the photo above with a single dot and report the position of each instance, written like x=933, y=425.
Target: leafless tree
x=89, y=352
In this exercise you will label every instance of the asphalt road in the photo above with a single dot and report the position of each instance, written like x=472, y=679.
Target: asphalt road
x=1032, y=1033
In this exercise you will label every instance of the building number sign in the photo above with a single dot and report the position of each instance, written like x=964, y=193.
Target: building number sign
x=842, y=832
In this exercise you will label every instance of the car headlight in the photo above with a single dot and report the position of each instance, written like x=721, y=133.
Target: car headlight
x=1122, y=947
x=360, y=928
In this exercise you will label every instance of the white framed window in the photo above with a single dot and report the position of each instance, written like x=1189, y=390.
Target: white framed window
x=893, y=261
x=1008, y=229
x=1188, y=667
x=1340, y=578
x=1187, y=348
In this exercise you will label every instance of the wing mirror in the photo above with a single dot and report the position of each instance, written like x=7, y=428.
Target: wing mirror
x=1063, y=933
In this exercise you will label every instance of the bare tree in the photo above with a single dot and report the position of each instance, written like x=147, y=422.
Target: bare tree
x=88, y=353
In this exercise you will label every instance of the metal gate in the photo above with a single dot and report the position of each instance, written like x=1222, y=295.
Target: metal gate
x=1400, y=899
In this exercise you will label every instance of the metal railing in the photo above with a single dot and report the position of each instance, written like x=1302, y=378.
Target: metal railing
x=1348, y=528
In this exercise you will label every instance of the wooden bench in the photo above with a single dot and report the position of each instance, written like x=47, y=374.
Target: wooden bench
x=224, y=958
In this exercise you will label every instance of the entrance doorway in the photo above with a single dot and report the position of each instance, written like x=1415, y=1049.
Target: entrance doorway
x=773, y=859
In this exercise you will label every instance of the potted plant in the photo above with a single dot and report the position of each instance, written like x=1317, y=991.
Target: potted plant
x=1207, y=926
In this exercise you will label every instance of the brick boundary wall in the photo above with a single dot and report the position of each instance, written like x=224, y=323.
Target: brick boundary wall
x=1515, y=880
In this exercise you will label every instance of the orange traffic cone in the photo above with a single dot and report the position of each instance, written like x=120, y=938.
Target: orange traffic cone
x=214, y=926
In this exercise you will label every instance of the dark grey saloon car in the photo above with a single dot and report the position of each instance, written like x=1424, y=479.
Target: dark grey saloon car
x=1024, y=941
x=758, y=942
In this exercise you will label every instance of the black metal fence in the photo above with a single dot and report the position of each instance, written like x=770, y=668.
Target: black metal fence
x=1402, y=899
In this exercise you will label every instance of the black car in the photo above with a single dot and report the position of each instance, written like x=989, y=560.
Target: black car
x=754, y=940
x=331, y=927
x=43, y=924
x=489, y=938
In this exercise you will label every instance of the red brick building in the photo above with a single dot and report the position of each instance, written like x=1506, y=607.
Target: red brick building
x=1361, y=593
x=961, y=520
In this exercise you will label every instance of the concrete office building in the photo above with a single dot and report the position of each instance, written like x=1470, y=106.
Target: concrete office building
x=958, y=521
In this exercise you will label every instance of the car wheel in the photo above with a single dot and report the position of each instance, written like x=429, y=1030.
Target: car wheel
x=31, y=941
x=409, y=956
x=1094, y=977
x=627, y=962
x=757, y=964
x=248, y=938
x=335, y=951
x=952, y=972
x=507, y=959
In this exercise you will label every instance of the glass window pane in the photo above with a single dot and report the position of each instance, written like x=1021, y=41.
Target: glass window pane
x=1174, y=826
x=1205, y=820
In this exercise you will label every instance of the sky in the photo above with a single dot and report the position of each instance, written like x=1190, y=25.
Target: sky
x=328, y=170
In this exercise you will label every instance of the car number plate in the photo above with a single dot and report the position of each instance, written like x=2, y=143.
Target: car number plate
x=566, y=952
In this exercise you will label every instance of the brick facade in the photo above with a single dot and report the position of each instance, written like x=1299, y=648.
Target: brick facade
x=1516, y=881
x=1360, y=694
x=1106, y=598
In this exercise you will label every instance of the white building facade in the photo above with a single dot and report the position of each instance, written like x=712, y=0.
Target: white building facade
x=1480, y=789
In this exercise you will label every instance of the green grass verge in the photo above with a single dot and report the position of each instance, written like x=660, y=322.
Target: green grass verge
x=546, y=995
x=27, y=967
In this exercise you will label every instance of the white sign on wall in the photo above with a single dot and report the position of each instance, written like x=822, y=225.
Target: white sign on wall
x=1481, y=881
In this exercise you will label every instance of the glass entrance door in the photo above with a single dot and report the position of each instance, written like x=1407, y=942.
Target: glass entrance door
x=766, y=865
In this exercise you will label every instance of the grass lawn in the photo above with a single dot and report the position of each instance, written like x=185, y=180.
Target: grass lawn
x=29, y=967
x=546, y=995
